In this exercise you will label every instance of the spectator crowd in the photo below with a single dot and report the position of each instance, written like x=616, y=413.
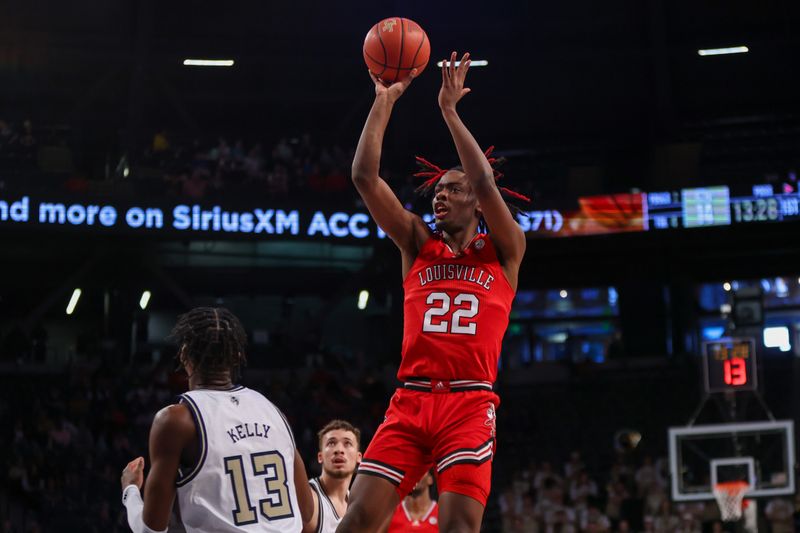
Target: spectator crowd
x=632, y=495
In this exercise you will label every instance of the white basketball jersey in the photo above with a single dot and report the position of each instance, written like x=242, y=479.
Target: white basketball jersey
x=328, y=517
x=244, y=479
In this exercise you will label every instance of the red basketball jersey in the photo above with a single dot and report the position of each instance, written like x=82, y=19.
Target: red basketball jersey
x=402, y=521
x=456, y=312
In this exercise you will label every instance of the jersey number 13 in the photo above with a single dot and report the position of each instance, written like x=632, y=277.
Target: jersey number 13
x=277, y=504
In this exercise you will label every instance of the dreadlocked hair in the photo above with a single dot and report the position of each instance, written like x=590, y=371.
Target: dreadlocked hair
x=433, y=173
x=213, y=339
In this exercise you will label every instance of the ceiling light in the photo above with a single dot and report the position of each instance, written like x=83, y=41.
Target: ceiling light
x=472, y=63
x=73, y=301
x=363, y=298
x=144, y=300
x=208, y=62
x=723, y=51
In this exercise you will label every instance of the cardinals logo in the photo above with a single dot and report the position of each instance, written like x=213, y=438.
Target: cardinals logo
x=491, y=417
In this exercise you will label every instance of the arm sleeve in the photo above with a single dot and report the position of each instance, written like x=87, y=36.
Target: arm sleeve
x=132, y=500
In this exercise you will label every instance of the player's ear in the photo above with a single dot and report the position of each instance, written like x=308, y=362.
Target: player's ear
x=358, y=459
x=184, y=359
x=319, y=457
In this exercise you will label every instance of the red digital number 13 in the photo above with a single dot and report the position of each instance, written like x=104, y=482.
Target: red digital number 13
x=735, y=371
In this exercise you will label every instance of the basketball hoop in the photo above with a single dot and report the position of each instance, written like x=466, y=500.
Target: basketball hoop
x=729, y=497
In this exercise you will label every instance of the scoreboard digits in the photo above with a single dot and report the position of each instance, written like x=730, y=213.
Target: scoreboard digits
x=716, y=206
x=730, y=364
x=735, y=372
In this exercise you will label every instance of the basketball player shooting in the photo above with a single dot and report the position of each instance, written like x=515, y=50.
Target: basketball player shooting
x=459, y=285
x=224, y=450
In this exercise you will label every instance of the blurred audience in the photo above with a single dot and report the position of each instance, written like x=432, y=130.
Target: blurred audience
x=66, y=435
x=536, y=500
x=294, y=166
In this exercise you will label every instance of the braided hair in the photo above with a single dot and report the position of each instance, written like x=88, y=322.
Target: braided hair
x=433, y=173
x=213, y=339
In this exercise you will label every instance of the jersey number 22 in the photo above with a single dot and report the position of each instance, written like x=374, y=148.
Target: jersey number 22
x=459, y=323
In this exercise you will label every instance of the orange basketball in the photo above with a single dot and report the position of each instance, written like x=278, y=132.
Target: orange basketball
x=394, y=46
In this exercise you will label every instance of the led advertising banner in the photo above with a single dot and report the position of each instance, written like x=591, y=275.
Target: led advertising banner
x=190, y=219
x=593, y=215
x=590, y=215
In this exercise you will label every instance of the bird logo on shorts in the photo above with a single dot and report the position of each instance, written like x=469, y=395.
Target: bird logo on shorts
x=491, y=417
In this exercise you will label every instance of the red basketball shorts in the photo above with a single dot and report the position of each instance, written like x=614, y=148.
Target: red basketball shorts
x=453, y=432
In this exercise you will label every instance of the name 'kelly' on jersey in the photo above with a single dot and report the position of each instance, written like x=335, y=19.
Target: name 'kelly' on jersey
x=244, y=479
x=456, y=311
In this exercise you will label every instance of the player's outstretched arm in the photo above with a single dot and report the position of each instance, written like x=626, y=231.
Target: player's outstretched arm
x=381, y=201
x=506, y=233
x=173, y=429
x=305, y=496
x=312, y=525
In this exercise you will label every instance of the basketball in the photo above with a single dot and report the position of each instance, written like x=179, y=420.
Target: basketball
x=395, y=46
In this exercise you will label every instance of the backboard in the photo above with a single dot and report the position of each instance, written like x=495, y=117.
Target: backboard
x=760, y=453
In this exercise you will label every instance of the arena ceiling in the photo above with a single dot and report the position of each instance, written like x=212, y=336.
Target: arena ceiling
x=567, y=70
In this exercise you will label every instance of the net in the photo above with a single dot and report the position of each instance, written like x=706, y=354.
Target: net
x=729, y=497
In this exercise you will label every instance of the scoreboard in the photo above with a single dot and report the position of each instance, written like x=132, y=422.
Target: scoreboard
x=729, y=364
x=717, y=206
x=699, y=207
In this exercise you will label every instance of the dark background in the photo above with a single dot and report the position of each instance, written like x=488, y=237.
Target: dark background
x=583, y=98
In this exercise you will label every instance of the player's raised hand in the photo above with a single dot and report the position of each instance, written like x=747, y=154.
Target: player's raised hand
x=133, y=473
x=453, y=81
x=394, y=90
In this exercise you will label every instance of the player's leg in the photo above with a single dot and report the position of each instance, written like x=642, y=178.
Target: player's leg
x=464, y=489
x=464, y=450
x=459, y=513
x=372, y=500
x=391, y=466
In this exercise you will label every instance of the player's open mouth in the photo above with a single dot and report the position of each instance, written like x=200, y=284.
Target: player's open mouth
x=440, y=210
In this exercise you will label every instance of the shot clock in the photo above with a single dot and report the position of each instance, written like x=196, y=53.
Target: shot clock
x=729, y=364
